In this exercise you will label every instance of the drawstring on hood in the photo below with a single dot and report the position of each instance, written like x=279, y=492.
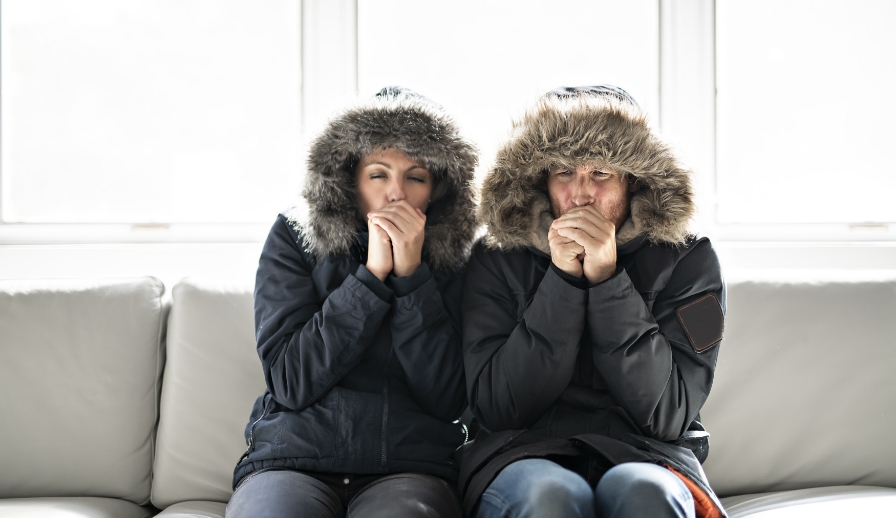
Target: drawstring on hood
x=596, y=125
x=404, y=120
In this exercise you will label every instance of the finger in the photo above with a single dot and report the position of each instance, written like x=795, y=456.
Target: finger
x=591, y=213
x=587, y=213
x=404, y=226
x=406, y=209
x=404, y=216
x=569, y=251
x=579, y=236
x=377, y=231
x=555, y=239
x=388, y=226
x=591, y=226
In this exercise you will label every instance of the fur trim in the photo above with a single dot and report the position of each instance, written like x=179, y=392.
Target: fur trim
x=584, y=129
x=421, y=130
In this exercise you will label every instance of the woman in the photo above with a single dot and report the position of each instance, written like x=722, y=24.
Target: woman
x=357, y=323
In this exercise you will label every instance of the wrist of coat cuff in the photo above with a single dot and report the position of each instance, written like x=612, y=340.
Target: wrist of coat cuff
x=611, y=282
x=373, y=283
x=403, y=286
x=578, y=282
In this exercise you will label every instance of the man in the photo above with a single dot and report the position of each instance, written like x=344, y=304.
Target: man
x=591, y=321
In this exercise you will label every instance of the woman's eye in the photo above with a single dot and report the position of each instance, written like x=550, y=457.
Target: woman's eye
x=563, y=173
x=374, y=176
x=600, y=174
x=416, y=179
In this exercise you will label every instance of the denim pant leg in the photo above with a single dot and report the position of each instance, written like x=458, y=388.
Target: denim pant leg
x=283, y=494
x=537, y=488
x=637, y=489
x=406, y=495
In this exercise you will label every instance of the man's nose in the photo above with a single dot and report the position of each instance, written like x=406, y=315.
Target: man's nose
x=395, y=190
x=581, y=194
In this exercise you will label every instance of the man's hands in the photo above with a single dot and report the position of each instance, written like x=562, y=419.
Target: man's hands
x=396, y=239
x=583, y=241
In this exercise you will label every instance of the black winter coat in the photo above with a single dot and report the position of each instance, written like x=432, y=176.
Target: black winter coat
x=547, y=354
x=363, y=376
x=593, y=375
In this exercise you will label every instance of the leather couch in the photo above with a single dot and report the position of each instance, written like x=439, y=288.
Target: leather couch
x=116, y=401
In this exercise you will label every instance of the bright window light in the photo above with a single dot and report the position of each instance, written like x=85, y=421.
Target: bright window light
x=805, y=111
x=162, y=111
x=486, y=62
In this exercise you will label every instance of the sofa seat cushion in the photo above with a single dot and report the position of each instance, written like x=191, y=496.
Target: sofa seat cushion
x=195, y=509
x=819, y=502
x=71, y=507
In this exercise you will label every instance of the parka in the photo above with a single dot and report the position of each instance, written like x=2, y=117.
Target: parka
x=556, y=367
x=364, y=376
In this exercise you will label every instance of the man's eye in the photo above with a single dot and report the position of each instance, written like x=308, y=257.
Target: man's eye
x=600, y=174
x=563, y=173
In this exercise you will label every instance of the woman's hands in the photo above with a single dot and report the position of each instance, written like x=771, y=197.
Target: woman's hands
x=396, y=239
x=583, y=242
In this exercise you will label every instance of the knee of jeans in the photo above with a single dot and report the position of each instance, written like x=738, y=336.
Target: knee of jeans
x=559, y=492
x=641, y=480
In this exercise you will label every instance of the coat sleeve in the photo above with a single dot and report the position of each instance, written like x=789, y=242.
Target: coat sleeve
x=425, y=328
x=652, y=368
x=305, y=347
x=517, y=365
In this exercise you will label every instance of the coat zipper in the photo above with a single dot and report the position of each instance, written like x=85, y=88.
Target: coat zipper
x=385, y=417
x=385, y=405
x=250, y=442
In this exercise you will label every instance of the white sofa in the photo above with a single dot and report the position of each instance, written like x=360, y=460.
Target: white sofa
x=116, y=403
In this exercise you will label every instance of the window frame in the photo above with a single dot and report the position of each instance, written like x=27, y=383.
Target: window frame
x=328, y=35
x=329, y=77
x=688, y=119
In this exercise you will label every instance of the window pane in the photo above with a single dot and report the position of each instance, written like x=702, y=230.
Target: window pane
x=149, y=110
x=805, y=111
x=487, y=61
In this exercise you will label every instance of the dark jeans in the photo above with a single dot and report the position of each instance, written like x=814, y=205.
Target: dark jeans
x=285, y=493
x=534, y=488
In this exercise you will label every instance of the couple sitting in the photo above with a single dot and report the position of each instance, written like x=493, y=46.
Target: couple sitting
x=582, y=331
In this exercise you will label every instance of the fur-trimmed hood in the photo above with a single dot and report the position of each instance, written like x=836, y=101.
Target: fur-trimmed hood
x=600, y=126
x=400, y=119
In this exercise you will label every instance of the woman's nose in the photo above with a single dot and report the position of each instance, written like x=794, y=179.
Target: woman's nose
x=396, y=190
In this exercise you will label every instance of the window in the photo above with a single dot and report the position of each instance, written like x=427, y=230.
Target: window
x=782, y=107
x=148, y=111
x=190, y=114
x=805, y=111
x=486, y=62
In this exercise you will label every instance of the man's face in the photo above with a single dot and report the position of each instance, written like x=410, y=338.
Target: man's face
x=603, y=188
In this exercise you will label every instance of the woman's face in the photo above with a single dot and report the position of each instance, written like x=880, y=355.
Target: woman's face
x=388, y=175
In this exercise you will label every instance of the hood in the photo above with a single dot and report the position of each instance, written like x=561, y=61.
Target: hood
x=400, y=119
x=601, y=126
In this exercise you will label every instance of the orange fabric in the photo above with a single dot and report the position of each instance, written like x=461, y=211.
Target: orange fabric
x=703, y=504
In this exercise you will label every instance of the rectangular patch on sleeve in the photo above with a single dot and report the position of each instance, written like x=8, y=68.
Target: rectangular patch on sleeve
x=703, y=321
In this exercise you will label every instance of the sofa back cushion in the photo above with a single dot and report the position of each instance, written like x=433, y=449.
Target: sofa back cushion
x=804, y=393
x=212, y=377
x=80, y=366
